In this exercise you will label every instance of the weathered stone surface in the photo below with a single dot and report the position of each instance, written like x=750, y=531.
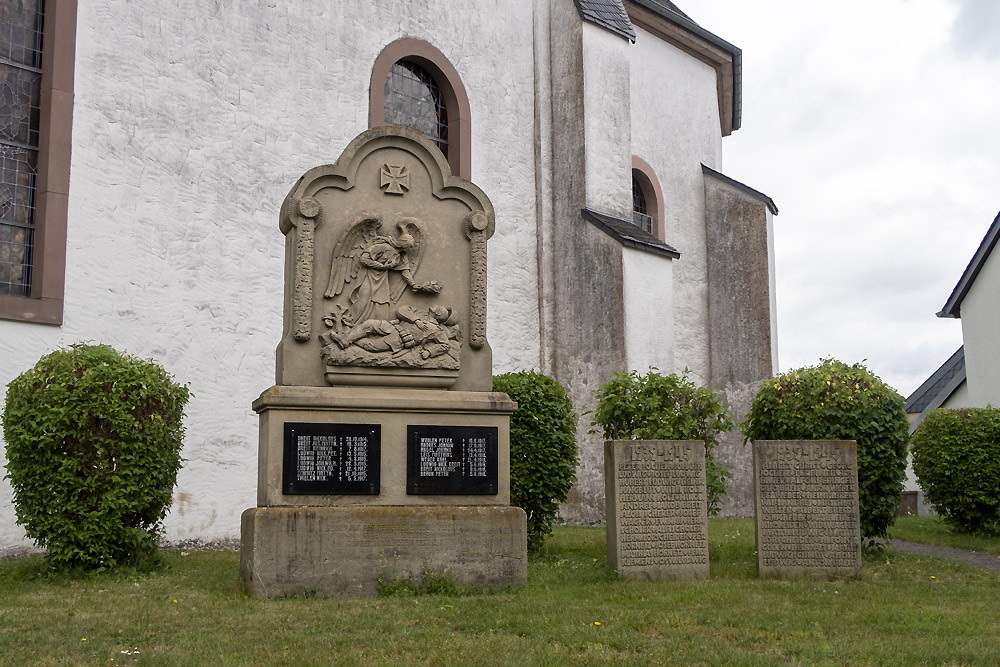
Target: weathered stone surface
x=345, y=551
x=806, y=497
x=657, y=509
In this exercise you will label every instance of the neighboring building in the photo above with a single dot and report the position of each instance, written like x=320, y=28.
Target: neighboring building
x=146, y=150
x=970, y=378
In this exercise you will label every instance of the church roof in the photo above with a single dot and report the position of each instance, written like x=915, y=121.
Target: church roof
x=938, y=387
x=953, y=307
x=629, y=234
x=608, y=14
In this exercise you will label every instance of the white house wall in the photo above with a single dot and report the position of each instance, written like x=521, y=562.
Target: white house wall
x=191, y=122
x=980, y=324
x=649, y=320
x=675, y=129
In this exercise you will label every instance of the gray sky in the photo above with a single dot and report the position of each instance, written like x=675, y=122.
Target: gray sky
x=873, y=124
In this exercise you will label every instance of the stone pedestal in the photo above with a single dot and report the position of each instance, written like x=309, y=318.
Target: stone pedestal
x=345, y=551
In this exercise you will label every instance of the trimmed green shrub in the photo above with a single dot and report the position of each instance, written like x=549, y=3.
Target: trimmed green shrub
x=543, y=452
x=666, y=407
x=956, y=458
x=93, y=449
x=834, y=401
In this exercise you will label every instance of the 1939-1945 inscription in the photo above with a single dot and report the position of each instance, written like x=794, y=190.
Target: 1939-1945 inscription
x=328, y=459
x=455, y=460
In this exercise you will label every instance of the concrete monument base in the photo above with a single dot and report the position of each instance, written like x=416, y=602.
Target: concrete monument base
x=345, y=551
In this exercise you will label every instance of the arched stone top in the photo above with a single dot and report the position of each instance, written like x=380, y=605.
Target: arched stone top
x=455, y=98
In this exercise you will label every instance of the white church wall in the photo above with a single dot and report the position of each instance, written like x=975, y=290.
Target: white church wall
x=675, y=128
x=607, y=121
x=980, y=324
x=649, y=321
x=190, y=126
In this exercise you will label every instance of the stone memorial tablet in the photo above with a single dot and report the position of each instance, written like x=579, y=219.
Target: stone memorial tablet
x=657, y=509
x=451, y=460
x=324, y=459
x=806, y=495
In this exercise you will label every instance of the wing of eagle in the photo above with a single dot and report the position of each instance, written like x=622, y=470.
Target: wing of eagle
x=347, y=253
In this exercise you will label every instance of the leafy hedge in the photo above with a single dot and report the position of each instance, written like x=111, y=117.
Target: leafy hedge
x=631, y=406
x=834, y=401
x=956, y=457
x=93, y=449
x=543, y=453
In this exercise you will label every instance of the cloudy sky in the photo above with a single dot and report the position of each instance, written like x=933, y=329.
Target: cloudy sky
x=875, y=127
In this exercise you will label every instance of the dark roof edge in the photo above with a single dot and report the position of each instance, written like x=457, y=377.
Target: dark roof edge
x=953, y=307
x=935, y=377
x=715, y=40
x=598, y=14
x=756, y=194
x=655, y=246
x=943, y=394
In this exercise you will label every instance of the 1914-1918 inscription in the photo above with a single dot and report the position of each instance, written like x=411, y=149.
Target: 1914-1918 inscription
x=806, y=494
x=327, y=459
x=657, y=509
x=451, y=460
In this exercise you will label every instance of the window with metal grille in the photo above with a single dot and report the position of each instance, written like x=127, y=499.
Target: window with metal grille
x=20, y=109
x=413, y=98
x=640, y=210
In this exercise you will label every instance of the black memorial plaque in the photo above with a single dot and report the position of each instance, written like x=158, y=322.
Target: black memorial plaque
x=331, y=459
x=451, y=460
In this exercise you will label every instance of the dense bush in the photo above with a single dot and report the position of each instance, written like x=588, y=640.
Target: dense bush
x=666, y=407
x=956, y=457
x=834, y=401
x=543, y=452
x=93, y=448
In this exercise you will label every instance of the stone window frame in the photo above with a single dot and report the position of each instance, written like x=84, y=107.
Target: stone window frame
x=44, y=305
x=456, y=100
x=643, y=173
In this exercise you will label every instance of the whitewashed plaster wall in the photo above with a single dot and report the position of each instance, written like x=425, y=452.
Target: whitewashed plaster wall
x=191, y=124
x=649, y=320
x=607, y=121
x=675, y=129
x=980, y=324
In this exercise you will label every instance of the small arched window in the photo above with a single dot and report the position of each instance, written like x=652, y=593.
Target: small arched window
x=414, y=85
x=647, y=198
x=413, y=98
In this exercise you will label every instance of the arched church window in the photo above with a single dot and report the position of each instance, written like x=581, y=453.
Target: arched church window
x=647, y=198
x=640, y=210
x=414, y=85
x=413, y=98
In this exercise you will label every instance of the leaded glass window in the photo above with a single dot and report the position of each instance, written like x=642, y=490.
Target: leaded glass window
x=413, y=98
x=20, y=102
x=640, y=209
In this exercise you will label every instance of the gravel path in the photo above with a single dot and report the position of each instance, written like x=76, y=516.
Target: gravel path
x=975, y=558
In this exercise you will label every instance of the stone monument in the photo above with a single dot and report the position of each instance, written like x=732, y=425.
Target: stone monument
x=383, y=452
x=657, y=508
x=806, y=498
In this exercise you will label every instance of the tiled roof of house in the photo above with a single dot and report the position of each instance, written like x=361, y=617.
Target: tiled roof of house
x=953, y=307
x=608, y=14
x=629, y=234
x=938, y=387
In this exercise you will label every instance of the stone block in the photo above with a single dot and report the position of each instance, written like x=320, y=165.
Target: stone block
x=345, y=551
x=657, y=509
x=806, y=499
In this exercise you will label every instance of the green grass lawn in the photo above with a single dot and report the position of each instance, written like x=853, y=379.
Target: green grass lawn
x=932, y=530
x=904, y=610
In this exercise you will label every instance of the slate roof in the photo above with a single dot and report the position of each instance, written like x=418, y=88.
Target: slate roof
x=938, y=387
x=629, y=234
x=756, y=194
x=953, y=307
x=608, y=14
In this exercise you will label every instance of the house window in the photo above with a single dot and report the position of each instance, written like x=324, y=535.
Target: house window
x=37, y=48
x=413, y=98
x=647, y=199
x=21, y=25
x=413, y=84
